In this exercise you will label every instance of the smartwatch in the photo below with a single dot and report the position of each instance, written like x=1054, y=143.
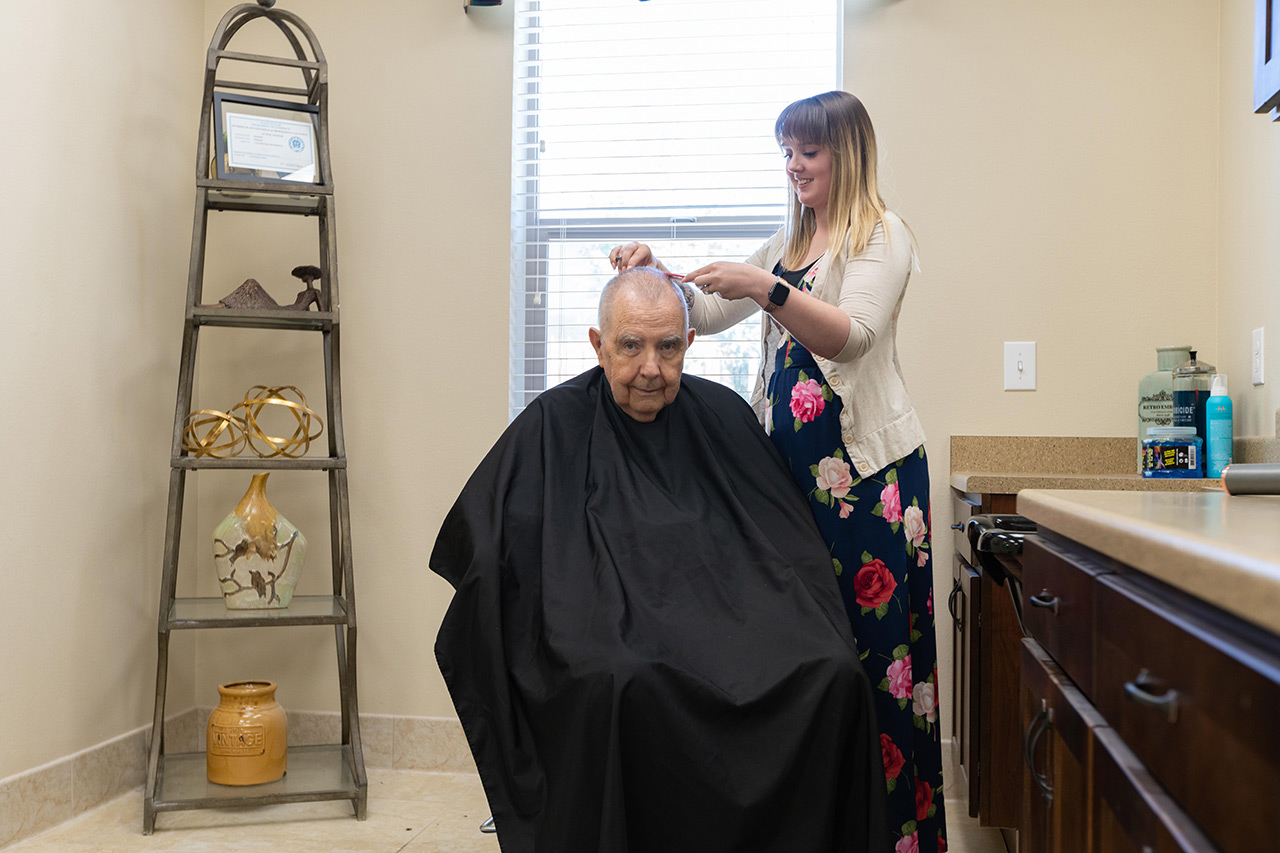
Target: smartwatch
x=777, y=296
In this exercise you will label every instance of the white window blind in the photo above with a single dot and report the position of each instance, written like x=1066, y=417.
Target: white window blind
x=648, y=120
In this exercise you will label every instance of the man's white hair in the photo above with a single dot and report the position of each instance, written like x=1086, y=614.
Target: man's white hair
x=648, y=283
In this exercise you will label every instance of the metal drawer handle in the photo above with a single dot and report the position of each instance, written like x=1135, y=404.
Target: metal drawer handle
x=957, y=526
x=951, y=605
x=1042, y=722
x=1045, y=599
x=1139, y=691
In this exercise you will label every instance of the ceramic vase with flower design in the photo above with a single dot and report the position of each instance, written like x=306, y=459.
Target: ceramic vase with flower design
x=257, y=553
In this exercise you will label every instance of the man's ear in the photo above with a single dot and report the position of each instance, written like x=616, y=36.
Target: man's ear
x=691, y=337
x=596, y=342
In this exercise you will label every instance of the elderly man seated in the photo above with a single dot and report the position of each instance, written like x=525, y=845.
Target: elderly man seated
x=647, y=648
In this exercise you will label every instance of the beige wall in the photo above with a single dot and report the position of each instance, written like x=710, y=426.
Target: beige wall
x=1058, y=162
x=95, y=218
x=1248, y=222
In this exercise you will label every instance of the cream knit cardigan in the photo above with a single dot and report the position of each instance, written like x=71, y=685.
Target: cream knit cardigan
x=878, y=424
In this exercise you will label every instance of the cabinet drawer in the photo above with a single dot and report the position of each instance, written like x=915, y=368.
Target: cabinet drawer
x=1058, y=605
x=1196, y=705
x=1132, y=813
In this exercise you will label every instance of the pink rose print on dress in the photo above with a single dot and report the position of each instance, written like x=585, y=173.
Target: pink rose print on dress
x=929, y=603
x=892, y=503
x=922, y=557
x=907, y=844
x=845, y=509
x=899, y=673
x=806, y=400
x=874, y=585
x=833, y=476
x=912, y=524
x=924, y=701
x=892, y=756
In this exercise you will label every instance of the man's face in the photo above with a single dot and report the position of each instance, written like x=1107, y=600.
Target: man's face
x=643, y=354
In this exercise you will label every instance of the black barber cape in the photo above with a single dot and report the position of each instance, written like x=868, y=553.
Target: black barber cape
x=647, y=648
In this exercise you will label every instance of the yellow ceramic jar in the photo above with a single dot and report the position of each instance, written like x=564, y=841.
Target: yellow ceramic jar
x=246, y=739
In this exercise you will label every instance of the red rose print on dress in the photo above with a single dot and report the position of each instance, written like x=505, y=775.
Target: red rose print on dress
x=806, y=400
x=892, y=756
x=874, y=584
x=924, y=799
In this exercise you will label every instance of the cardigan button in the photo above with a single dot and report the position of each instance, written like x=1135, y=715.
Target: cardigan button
x=864, y=467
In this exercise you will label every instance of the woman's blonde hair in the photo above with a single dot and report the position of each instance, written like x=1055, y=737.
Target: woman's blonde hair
x=838, y=122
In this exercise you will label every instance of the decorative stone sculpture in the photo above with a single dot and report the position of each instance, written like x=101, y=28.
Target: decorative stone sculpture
x=254, y=295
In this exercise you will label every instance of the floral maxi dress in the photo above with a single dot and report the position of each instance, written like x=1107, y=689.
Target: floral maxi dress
x=877, y=528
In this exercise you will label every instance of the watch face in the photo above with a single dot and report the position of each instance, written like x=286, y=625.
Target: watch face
x=779, y=292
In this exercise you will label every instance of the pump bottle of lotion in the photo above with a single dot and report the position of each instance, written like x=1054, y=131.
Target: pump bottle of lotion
x=1217, y=444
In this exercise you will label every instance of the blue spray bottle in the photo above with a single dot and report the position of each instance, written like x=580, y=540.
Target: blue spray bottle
x=1218, y=438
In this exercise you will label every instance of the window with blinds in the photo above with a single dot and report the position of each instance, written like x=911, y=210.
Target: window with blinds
x=648, y=120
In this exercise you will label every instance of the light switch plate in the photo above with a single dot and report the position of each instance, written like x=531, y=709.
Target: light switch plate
x=1020, y=366
x=1255, y=356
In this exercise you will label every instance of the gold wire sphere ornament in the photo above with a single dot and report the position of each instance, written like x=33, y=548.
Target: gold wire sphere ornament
x=215, y=434
x=256, y=399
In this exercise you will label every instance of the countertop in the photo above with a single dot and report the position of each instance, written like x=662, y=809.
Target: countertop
x=1224, y=549
x=1013, y=483
x=1005, y=465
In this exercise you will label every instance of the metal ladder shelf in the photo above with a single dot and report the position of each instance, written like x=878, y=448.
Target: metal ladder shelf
x=177, y=781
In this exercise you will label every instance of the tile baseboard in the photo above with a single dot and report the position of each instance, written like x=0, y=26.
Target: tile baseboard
x=43, y=797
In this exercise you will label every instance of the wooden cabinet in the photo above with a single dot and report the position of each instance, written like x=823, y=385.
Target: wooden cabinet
x=1147, y=715
x=1058, y=724
x=986, y=635
x=1058, y=586
x=1196, y=699
x=1132, y=813
x=964, y=604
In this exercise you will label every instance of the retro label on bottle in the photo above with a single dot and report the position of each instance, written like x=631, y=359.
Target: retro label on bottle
x=1156, y=409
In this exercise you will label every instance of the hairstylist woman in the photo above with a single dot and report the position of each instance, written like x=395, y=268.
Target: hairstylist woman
x=831, y=395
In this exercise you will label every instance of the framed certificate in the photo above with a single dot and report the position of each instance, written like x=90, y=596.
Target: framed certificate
x=259, y=139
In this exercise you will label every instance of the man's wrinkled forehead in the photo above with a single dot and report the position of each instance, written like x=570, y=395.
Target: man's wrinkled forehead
x=636, y=317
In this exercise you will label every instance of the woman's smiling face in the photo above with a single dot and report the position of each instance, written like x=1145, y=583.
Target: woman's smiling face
x=809, y=170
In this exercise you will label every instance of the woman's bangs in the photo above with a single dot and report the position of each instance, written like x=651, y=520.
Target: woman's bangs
x=804, y=121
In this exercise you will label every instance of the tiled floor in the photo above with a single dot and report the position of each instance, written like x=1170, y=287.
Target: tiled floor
x=409, y=812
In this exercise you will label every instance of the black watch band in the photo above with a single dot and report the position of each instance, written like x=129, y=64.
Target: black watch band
x=777, y=296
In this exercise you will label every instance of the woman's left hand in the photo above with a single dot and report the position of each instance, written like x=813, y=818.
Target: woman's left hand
x=732, y=280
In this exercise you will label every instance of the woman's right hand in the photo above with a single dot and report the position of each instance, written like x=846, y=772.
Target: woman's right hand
x=633, y=254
